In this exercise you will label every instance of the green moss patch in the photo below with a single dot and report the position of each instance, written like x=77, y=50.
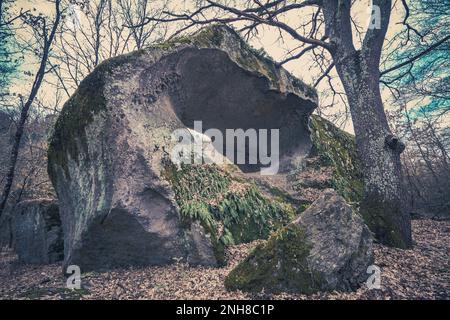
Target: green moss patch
x=278, y=265
x=232, y=212
x=337, y=148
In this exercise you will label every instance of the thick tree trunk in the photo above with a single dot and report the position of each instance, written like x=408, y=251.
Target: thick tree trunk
x=384, y=206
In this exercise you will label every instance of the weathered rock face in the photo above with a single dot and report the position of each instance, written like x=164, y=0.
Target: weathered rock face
x=328, y=247
x=37, y=232
x=122, y=201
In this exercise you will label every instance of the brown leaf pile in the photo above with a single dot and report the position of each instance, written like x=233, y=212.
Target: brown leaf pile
x=421, y=273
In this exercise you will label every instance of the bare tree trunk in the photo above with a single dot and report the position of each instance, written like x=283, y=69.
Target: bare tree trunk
x=384, y=206
x=26, y=108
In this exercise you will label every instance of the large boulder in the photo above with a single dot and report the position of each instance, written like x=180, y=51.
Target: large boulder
x=122, y=200
x=37, y=232
x=328, y=247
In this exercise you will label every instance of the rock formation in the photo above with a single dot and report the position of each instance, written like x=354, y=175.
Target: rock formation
x=124, y=202
x=37, y=232
x=328, y=247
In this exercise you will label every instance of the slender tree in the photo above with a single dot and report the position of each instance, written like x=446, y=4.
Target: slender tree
x=47, y=34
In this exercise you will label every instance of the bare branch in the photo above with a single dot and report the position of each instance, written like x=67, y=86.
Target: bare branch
x=417, y=56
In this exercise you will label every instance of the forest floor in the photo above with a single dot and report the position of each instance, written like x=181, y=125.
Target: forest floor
x=420, y=273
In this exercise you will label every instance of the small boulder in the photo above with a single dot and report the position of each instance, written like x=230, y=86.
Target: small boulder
x=37, y=232
x=327, y=248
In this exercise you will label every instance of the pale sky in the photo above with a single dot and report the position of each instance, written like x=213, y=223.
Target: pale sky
x=267, y=39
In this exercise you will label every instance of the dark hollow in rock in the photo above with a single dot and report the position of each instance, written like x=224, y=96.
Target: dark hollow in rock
x=225, y=96
x=37, y=232
x=328, y=247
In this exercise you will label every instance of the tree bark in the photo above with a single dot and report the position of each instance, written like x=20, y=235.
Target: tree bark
x=384, y=206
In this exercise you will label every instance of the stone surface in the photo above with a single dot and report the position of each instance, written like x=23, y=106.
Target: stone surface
x=122, y=202
x=328, y=247
x=37, y=232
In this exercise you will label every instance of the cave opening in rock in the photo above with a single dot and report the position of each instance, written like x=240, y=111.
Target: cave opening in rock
x=223, y=95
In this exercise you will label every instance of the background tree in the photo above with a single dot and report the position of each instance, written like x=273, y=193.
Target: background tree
x=9, y=57
x=77, y=48
x=421, y=92
x=46, y=33
x=102, y=33
x=426, y=81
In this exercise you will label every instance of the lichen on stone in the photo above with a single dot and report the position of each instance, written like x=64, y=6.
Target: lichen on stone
x=78, y=112
x=379, y=215
x=327, y=247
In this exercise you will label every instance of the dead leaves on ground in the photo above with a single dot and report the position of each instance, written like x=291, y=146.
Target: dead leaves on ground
x=421, y=273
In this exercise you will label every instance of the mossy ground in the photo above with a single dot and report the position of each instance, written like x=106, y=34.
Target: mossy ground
x=232, y=212
x=276, y=266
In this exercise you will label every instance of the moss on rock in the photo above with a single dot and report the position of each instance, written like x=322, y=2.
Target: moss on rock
x=75, y=116
x=231, y=211
x=337, y=148
x=249, y=58
x=78, y=112
x=328, y=247
x=379, y=216
x=278, y=265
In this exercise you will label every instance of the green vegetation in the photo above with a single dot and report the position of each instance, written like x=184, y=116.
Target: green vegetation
x=77, y=113
x=337, y=148
x=278, y=265
x=252, y=59
x=232, y=212
x=62, y=293
x=381, y=223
